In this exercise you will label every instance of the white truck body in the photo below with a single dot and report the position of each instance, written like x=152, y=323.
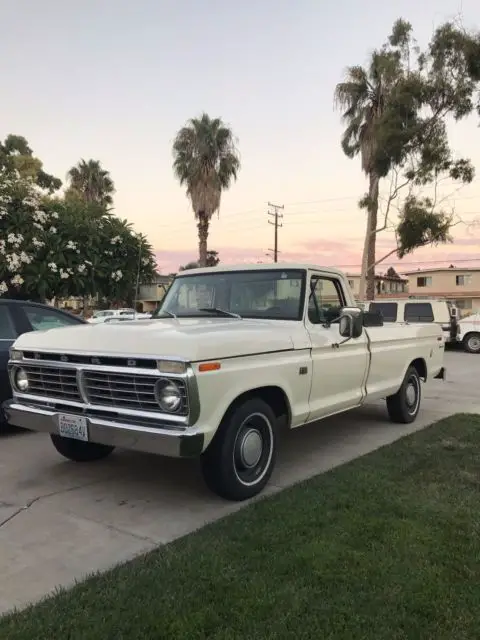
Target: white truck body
x=285, y=358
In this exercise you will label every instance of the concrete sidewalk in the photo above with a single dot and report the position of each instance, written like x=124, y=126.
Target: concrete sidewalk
x=60, y=520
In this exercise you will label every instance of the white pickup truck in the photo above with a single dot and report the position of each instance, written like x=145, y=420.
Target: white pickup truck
x=232, y=355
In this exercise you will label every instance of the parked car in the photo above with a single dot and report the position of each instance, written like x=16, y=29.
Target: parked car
x=232, y=355
x=469, y=333
x=18, y=317
x=106, y=314
x=411, y=310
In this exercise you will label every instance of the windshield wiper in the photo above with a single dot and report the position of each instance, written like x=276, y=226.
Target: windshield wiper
x=222, y=312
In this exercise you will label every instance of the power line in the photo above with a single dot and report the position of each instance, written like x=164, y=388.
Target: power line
x=276, y=224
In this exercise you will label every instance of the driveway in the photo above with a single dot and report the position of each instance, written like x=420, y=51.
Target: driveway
x=60, y=520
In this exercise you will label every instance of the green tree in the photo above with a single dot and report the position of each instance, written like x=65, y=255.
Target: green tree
x=395, y=113
x=17, y=160
x=212, y=261
x=90, y=182
x=51, y=247
x=206, y=162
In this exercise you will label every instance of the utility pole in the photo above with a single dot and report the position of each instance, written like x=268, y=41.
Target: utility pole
x=276, y=216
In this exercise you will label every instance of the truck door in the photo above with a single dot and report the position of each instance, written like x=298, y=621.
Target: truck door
x=338, y=375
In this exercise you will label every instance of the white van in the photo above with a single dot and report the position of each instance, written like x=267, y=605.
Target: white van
x=412, y=311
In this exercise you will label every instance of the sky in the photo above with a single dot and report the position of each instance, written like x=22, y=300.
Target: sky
x=115, y=80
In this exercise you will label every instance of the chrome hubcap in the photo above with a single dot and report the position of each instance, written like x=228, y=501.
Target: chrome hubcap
x=251, y=448
x=474, y=343
x=411, y=394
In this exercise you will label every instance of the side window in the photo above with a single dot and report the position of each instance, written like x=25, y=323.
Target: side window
x=42, y=319
x=387, y=309
x=7, y=328
x=418, y=312
x=325, y=300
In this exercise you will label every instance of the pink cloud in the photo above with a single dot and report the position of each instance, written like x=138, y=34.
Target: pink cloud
x=344, y=254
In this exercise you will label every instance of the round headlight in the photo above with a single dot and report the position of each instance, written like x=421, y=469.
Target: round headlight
x=21, y=380
x=169, y=396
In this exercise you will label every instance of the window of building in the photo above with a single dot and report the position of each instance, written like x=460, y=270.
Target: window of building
x=424, y=281
x=464, y=303
x=350, y=284
x=462, y=281
x=418, y=312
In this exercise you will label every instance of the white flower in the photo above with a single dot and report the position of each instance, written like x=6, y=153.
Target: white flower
x=17, y=280
x=37, y=225
x=53, y=230
x=3, y=212
x=15, y=240
x=146, y=261
x=52, y=266
x=116, y=240
x=117, y=276
x=24, y=257
x=71, y=244
x=13, y=262
x=64, y=274
x=37, y=243
x=81, y=268
x=2, y=246
x=54, y=215
x=3, y=288
x=88, y=262
x=40, y=216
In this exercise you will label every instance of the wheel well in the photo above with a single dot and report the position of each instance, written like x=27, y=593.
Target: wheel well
x=274, y=396
x=421, y=367
x=467, y=335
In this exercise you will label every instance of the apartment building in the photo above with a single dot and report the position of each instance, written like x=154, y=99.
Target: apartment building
x=388, y=285
x=150, y=295
x=461, y=286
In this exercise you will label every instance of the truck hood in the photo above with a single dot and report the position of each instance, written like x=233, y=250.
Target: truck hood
x=192, y=339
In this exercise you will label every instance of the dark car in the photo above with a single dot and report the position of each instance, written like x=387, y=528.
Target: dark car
x=17, y=317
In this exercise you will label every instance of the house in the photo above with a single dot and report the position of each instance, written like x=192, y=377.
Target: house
x=388, y=285
x=460, y=285
x=150, y=295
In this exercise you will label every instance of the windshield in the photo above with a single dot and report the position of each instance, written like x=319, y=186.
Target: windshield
x=274, y=294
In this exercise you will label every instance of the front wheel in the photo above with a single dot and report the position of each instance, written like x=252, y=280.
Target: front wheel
x=403, y=406
x=240, y=459
x=471, y=343
x=80, y=451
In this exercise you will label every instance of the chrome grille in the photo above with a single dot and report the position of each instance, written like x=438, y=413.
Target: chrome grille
x=55, y=382
x=127, y=391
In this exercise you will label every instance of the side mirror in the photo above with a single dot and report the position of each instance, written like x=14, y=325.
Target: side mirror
x=350, y=323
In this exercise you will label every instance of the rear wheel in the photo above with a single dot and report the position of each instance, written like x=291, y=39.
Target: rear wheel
x=80, y=451
x=240, y=459
x=471, y=343
x=403, y=406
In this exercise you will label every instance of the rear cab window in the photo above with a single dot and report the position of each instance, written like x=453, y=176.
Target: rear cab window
x=388, y=310
x=418, y=312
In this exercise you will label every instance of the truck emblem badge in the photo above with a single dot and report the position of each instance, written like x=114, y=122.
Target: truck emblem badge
x=36, y=356
x=95, y=360
x=64, y=358
x=131, y=363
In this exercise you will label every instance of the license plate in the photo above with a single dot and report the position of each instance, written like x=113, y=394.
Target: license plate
x=75, y=427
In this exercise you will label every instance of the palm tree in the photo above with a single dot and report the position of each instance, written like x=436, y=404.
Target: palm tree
x=363, y=99
x=206, y=161
x=91, y=182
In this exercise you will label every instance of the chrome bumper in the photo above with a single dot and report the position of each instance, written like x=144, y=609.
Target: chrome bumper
x=187, y=443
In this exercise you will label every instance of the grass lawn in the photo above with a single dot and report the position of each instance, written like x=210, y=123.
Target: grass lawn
x=385, y=547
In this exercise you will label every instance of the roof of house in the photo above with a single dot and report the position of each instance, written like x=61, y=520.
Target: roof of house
x=439, y=270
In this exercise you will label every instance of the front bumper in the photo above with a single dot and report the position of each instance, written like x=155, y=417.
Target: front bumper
x=186, y=443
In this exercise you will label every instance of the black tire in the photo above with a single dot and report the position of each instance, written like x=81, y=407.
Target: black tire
x=403, y=406
x=471, y=342
x=230, y=469
x=80, y=451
